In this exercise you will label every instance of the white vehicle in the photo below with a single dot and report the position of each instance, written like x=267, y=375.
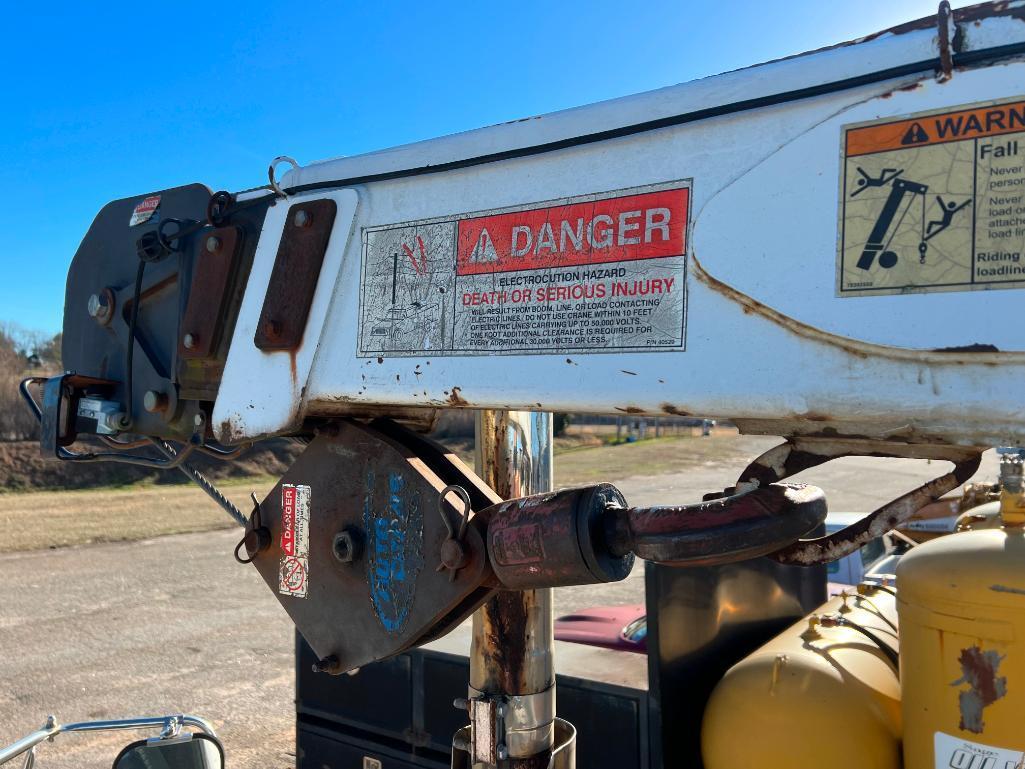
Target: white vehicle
x=852, y=568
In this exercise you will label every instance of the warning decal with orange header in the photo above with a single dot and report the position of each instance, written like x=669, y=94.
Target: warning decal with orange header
x=933, y=202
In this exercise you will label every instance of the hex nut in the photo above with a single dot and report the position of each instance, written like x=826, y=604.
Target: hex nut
x=347, y=545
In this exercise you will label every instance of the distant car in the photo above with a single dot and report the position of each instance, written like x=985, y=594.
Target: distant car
x=851, y=569
x=626, y=627
x=611, y=627
x=885, y=569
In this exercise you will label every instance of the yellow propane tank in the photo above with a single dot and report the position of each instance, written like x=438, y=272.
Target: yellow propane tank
x=962, y=625
x=822, y=693
x=984, y=516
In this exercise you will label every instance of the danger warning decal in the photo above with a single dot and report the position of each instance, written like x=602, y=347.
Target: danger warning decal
x=590, y=274
x=934, y=202
x=144, y=211
x=293, y=569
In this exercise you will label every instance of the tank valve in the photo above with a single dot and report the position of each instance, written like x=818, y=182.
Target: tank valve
x=811, y=632
x=1012, y=489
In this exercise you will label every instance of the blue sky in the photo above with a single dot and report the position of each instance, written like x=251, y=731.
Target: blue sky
x=110, y=100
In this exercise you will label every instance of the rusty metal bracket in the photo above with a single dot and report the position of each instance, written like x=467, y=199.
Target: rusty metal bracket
x=800, y=454
x=293, y=280
x=203, y=317
x=506, y=725
x=59, y=415
x=943, y=24
x=385, y=596
x=563, y=753
x=486, y=730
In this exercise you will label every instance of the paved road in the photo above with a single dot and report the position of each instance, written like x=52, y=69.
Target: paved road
x=174, y=624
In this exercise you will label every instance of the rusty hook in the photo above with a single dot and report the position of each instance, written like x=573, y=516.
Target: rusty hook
x=792, y=457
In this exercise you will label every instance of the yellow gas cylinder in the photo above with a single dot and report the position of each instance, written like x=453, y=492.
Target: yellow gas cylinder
x=984, y=516
x=962, y=626
x=822, y=693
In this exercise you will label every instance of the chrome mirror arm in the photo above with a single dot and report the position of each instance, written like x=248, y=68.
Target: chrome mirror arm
x=169, y=726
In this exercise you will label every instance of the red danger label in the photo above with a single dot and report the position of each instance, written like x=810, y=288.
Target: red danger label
x=599, y=272
x=288, y=519
x=650, y=225
x=144, y=210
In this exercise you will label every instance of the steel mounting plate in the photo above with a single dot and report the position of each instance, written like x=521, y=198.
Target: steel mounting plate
x=388, y=595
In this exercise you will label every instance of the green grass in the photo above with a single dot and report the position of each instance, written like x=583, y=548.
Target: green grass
x=47, y=519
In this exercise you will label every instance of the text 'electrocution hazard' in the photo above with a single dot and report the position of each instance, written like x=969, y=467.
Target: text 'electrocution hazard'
x=934, y=202
x=600, y=272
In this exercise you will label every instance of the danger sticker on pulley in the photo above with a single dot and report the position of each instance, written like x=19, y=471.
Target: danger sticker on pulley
x=934, y=202
x=294, y=564
x=596, y=273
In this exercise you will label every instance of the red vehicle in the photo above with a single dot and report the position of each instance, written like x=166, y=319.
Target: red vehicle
x=613, y=627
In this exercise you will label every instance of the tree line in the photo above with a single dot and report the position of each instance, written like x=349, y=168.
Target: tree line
x=23, y=353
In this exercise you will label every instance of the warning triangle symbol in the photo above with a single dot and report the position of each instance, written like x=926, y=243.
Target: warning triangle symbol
x=484, y=252
x=915, y=135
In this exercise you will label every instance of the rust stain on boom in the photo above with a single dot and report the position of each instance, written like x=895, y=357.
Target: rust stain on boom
x=860, y=349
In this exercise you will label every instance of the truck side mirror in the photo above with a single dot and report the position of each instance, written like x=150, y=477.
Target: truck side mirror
x=185, y=751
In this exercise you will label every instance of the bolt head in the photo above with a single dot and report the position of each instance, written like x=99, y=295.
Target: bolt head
x=327, y=665
x=453, y=554
x=272, y=329
x=189, y=341
x=198, y=420
x=302, y=218
x=213, y=244
x=154, y=401
x=257, y=540
x=99, y=306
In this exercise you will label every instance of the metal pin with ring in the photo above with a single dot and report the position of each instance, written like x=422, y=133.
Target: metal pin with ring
x=270, y=173
x=257, y=538
x=453, y=553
